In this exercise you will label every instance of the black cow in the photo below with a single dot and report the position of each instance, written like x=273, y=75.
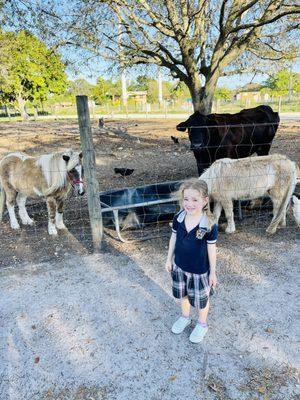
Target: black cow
x=238, y=135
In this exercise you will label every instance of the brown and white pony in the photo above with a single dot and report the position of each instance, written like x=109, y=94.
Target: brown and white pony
x=50, y=176
x=249, y=178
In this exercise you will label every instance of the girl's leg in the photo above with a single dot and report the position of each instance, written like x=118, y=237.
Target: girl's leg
x=185, y=307
x=183, y=321
x=203, y=312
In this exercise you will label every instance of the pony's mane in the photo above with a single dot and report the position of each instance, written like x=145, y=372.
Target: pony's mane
x=21, y=156
x=55, y=168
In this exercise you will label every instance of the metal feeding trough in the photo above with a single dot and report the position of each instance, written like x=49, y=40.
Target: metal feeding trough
x=137, y=206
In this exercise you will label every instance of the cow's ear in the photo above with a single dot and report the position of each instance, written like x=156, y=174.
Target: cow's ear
x=80, y=155
x=66, y=158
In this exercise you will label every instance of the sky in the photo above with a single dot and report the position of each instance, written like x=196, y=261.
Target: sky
x=92, y=73
x=236, y=81
x=232, y=82
x=97, y=69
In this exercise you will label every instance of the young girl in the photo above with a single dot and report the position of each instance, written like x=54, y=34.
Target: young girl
x=192, y=256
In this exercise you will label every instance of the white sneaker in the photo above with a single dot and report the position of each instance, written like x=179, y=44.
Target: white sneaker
x=180, y=325
x=198, y=333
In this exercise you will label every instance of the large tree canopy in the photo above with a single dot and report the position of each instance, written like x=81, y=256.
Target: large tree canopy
x=197, y=41
x=30, y=70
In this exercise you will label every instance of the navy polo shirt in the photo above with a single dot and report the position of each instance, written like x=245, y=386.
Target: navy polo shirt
x=191, y=247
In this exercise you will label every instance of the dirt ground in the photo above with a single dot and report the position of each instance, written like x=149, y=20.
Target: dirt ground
x=142, y=145
x=74, y=325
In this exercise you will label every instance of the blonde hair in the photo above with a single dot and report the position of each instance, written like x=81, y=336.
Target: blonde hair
x=200, y=186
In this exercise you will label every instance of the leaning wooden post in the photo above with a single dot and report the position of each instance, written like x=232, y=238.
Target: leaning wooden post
x=94, y=205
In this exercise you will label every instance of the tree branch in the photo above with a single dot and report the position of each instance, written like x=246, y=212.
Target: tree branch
x=185, y=18
x=268, y=58
x=157, y=20
x=263, y=22
x=221, y=18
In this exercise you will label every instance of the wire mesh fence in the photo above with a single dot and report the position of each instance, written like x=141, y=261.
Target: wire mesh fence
x=167, y=108
x=156, y=160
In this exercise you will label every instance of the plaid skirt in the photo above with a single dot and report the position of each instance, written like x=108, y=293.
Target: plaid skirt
x=194, y=286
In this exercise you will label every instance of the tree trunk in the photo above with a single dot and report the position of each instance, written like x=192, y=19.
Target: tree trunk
x=207, y=98
x=195, y=89
x=7, y=112
x=36, y=113
x=202, y=97
x=160, y=89
x=22, y=109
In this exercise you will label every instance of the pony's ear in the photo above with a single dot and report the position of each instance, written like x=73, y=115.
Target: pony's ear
x=66, y=158
x=80, y=155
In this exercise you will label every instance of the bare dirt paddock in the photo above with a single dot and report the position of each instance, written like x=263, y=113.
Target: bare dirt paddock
x=74, y=325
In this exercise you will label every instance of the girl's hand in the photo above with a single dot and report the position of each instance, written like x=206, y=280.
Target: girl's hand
x=168, y=266
x=212, y=280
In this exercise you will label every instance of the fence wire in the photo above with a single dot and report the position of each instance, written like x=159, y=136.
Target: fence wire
x=136, y=220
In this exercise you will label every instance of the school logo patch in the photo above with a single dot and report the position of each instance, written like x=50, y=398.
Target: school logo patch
x=200, y=233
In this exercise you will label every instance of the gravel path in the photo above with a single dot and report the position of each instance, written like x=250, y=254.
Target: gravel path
x=98, y=327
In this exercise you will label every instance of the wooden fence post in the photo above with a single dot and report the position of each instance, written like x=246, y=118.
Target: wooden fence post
x=86, y=138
